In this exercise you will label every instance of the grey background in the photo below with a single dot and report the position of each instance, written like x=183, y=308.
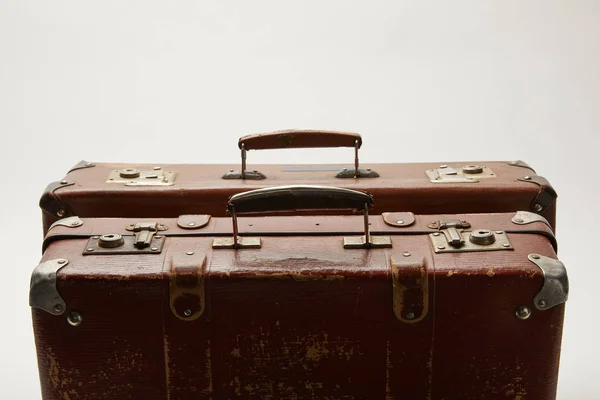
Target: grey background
x=180, y=81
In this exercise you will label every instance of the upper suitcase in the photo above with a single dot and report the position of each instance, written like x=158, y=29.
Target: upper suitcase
x=138, y=190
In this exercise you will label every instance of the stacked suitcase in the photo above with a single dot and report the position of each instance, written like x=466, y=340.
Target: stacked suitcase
x=412, y=281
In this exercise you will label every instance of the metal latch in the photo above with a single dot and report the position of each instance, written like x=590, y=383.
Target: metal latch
x=450, y=230
x=452, y=237
x=136, y=177
x=144, y=232
x=144, y=241
x=466, y=174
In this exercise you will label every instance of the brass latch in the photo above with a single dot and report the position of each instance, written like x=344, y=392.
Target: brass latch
x=465, y=174
x=452, y=237
x=450, y=229
x=144, y=232
x=136, y=177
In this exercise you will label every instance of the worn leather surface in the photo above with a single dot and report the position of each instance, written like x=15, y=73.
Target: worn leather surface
x=199, y=189
x=301, y=226
x=301, y=318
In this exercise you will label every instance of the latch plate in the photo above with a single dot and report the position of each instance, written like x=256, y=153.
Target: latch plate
x=135, y=177
x=93, y=246
x=144, y=232
x=440, y=242
x=466, y=174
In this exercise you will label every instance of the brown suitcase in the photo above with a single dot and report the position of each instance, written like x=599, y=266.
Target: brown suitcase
x=435, y=307
x=127, y=190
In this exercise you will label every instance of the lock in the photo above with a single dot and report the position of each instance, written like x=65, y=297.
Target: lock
x=452, y=236
x=466, y=174
x=145, y=240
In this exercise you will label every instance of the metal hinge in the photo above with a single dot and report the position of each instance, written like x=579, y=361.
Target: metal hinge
x=452, y=237
x=466, y=174
x=136, y=177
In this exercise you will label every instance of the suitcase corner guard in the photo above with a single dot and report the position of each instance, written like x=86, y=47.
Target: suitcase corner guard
x=555, y=290
x=42, y=292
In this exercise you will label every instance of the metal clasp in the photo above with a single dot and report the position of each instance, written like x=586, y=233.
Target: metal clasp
x=452, y=237
x=465, y=174
x=144, y=232
x=450, y=229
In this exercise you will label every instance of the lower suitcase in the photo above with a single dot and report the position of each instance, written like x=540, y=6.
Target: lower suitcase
x=395, y=306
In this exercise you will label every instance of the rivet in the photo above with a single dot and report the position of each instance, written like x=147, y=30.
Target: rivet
x=441, y=247
x=538, y=207
x=523, y=312
x=60, y=213
x=436, y=234
x=157, y=237
x=368, y=169
x=443, y=166
x=189, y=253
x=505, y=245
x=74, y=318
x=62, y=261
x=518, y=220
x=95, y=237
x=499, y=232
x=400, y=222
x=230, y=170
x=90, y=164
x=187, y=312
x=156, y=168
x=191, y=224
x=154, y=249
x=527, y=178
x=64, y=182
x=75, y=223
x=542, y=303
x=58, y=308
x=535, y=256
x=90, y=249
x=406, y=254
x=410, y=315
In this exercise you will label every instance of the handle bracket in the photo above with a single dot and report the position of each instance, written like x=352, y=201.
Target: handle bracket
x=299, y=139
x=291, y=198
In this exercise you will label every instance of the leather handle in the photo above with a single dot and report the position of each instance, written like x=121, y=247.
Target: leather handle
x=300, y=197
x=296, y=139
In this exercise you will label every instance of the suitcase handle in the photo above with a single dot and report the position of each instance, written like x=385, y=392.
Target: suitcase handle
x=298, y=197
x=297, y=139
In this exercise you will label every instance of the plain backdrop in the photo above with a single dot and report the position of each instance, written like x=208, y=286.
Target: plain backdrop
x=180, y=81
